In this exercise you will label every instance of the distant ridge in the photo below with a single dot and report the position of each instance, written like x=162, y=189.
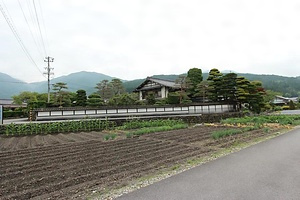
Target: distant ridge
x=288, y=86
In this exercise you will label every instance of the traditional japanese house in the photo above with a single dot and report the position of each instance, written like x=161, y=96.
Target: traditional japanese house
x=159, y=87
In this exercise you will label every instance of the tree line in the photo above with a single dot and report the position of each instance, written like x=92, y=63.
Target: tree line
x=218, y=87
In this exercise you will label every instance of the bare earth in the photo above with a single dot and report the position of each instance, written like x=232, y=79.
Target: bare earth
x=66, y=166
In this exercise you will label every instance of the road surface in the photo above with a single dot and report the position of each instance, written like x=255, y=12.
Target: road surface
x=269, y=170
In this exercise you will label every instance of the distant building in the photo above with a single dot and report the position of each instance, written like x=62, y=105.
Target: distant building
x=9, y=103
x=279, y=100
x=159, y=87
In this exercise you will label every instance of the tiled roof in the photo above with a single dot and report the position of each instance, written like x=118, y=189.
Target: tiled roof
x=167, y=83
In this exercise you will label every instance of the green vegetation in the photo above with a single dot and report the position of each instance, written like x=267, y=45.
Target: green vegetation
x=135, y=124
x=81, y=98
x=57, y=127
x=141, y=127
x=111, y=136
x=194, y=76
x=156, y=129
x=263, y=119
x=245, y=124
x=191, y=87
x=228, y=132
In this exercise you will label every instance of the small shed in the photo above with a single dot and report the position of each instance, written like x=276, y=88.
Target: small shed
x=159, y=87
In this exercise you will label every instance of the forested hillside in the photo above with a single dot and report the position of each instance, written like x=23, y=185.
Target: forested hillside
x=288, y=86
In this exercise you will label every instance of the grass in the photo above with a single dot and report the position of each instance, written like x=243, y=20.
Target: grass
x=254, y=123
x=227, y=132
x=136, y=124
x=155, y=129
x=263, y=119
x=111, y=136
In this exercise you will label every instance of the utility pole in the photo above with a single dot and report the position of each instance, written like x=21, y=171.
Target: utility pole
x=48, y=73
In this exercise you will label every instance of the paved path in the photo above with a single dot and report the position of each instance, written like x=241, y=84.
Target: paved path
x=269, y=170
x=290, y=112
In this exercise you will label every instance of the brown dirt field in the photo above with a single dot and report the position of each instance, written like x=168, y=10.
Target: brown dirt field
x=67, y=166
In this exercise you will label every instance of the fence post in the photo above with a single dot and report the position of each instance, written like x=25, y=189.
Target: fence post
x=1, y=114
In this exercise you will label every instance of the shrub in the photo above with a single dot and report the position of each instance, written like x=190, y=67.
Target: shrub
x=14, y=114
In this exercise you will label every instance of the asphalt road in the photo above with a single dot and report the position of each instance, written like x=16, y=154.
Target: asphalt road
x=269, y=170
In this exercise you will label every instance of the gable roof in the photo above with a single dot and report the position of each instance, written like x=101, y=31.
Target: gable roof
x=160, y=82
x=281, y=99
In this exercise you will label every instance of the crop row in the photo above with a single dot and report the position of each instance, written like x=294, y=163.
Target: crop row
x=95, y=169
x=57, y=127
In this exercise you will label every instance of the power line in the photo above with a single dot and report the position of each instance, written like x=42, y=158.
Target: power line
x=10, y=23
x=29, y=27
x=45, y=29
x=38, y=22
x=34, y=24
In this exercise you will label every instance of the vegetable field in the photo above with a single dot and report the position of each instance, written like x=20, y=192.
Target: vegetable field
x=74, y=165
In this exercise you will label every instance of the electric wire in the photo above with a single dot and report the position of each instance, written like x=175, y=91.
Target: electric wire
x=45, y=29
x=29, y=27
x=34, y=24
x=10, y=23
x=39, y=27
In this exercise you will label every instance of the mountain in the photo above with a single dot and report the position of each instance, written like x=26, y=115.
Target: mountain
x=288, y=86
x=10, y=86
x=75, y=81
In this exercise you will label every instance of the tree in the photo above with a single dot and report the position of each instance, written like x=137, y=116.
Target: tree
x=94, y=100
x=255, y=98
x=270, y=96
x=25, y=97
x=150, y=98
x=214, y=85
x=117, y=86
x=81, y=98
x=183, y=83
x=104, y=89
x=59, y=88
x=229, y=87
x=292, y=105
x=123, y=99
x=242, y=89
x=202, y=90
x=195, y=77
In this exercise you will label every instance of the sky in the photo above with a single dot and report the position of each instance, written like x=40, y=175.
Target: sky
x=138, y=38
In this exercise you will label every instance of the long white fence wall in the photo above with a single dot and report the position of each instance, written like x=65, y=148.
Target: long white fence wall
x=68, y=113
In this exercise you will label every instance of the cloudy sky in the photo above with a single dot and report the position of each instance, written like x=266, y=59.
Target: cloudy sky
x=138, y=38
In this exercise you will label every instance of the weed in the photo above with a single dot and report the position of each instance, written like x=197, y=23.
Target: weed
x=227, y=132
x=106, y=137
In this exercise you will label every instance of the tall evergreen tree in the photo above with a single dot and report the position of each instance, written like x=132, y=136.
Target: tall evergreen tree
x=215, y=85
x=81, y=98
x=202, y=91
x=195, y=77
x=94, y=100
x=229, y=87
x=60, y=92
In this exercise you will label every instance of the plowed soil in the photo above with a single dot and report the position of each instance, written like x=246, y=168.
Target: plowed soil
x=71, y=166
